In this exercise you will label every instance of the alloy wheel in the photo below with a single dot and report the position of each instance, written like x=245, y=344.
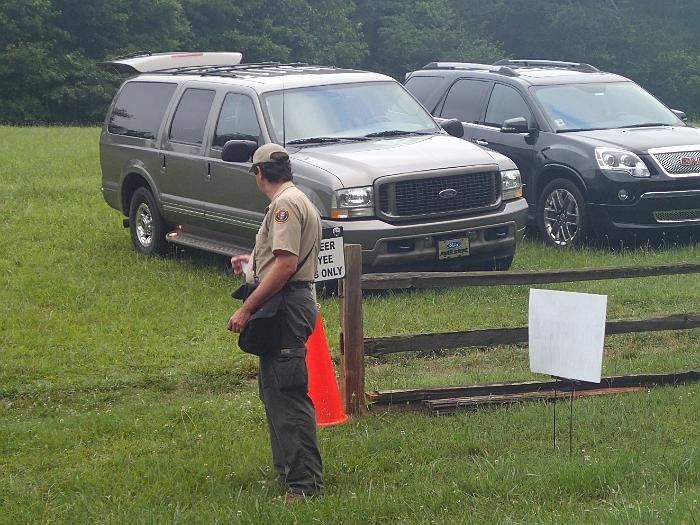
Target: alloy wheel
x=144, y=225
x=562, y=217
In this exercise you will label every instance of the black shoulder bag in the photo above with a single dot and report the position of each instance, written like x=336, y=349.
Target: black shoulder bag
x=261, y=334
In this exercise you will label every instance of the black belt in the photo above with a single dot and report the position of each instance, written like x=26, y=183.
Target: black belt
x=296, y=285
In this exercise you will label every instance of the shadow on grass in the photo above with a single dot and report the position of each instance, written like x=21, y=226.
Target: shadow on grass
x=219, y=381
x=199, y=258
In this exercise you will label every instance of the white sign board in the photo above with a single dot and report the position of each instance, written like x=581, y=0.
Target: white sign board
x=566, y=334
x=331, y=257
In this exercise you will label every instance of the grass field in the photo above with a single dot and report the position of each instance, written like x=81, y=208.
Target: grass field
x=124, y=400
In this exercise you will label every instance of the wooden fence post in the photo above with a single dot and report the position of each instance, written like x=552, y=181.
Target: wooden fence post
x=352, y=353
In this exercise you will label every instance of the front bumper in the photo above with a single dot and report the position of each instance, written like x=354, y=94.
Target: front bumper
x=394, y=247
x=652, y=211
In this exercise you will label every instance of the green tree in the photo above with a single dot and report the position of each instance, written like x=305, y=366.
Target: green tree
x=27, y=65
x=403, y=35
x=49, y=49
x=279, y=30
x=101, y=28
x=657, y=47
x=49, y=52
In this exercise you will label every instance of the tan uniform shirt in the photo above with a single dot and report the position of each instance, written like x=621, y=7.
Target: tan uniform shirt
x=291, y=224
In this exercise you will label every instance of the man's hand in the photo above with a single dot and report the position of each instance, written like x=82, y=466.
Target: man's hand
x=237, y=262
x=282, y=269
x=238, y=320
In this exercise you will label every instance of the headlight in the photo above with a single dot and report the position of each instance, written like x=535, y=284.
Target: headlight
x=511, y=186
x=352, y=202
x=620, y=160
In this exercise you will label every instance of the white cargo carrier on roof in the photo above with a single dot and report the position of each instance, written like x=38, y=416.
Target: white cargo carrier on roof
x=150, y=62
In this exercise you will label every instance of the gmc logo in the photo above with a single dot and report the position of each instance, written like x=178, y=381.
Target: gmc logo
x=690, y=161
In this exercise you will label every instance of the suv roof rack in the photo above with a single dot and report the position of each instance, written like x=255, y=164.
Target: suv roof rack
x=253, y=69
x=471, y=66
x=456, y=65
x=553, y=64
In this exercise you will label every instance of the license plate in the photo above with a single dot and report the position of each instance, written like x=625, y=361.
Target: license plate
x=451, y=248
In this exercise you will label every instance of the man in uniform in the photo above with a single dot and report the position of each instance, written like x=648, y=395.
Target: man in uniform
x=285, y=258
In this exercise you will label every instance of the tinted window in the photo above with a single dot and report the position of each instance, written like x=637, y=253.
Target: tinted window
x=191, y=116
x=465, y=100
x=139, y=109
x=602, y=106
x=505, y=103
x=423, y=88
x=237, y=120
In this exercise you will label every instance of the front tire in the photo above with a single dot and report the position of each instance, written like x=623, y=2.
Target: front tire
x=561, y=214
x=146, y=225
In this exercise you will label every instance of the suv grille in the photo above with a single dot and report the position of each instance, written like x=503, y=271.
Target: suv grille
x=677, y=216
x=680, y=162
x=440, y=195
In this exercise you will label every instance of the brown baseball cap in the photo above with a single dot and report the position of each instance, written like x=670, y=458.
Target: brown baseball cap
x=269, y=153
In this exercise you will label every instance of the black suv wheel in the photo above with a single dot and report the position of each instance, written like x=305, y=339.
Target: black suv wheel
x=561, y=214
x=146, y=224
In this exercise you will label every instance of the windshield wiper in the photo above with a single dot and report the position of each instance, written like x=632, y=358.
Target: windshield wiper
x=395, y=133
x=324, y=140
x=645, y=125
x=578, y=129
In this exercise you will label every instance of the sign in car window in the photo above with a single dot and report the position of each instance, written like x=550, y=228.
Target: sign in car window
x=331, y=257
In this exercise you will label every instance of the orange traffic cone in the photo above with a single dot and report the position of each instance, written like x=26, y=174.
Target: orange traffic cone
x=323, y=389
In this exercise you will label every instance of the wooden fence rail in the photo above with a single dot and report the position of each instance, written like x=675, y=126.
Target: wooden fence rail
x=377, y=346
x=414, y=396
x=353, y=344
x=386, y=281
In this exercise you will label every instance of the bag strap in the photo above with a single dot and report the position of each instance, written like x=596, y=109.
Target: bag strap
x=299, y=265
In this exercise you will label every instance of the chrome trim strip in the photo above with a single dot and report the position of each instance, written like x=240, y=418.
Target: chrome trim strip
x=216, y=217
x=183, y=209
x=667, y=194
x=674, y=149
x=226, y=219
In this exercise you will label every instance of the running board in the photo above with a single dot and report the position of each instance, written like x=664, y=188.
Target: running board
x=205, y=243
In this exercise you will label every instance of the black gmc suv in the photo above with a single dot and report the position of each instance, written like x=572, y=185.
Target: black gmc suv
x=596, y=152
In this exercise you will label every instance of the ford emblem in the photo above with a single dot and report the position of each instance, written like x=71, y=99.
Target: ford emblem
x=453, y=245
x=447, y=193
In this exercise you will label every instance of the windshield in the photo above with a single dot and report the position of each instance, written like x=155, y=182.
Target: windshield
x=345, y=111
x=576, y=107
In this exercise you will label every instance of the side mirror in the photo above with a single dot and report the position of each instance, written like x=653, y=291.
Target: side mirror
x=680, y=114
x=452, y=125
x=238, y=150
x=515, y=125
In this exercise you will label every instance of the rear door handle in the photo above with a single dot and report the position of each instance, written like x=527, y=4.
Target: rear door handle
x=208, y=175
x=481, y=142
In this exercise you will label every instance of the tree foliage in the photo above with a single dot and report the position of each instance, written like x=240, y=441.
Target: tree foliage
x=650, y=42
x=49, y=49
x=403, y=35
x=321, y=31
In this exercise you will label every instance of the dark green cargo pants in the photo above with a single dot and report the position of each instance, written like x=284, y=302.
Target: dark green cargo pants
x=283, y=383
